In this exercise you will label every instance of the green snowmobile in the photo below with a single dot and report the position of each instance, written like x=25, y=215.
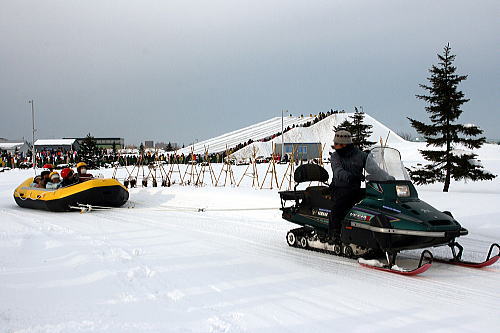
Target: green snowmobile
x=388, y=218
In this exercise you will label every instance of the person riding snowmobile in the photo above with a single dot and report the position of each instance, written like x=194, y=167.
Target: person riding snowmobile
x=347, y=163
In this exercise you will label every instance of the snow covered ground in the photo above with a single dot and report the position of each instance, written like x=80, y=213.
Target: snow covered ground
x=161, y=266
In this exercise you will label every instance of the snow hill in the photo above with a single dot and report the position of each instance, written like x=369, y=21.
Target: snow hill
x=255, y=132
x=323, y=132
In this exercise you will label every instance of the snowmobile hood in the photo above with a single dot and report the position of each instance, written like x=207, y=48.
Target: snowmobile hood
x=405, y=212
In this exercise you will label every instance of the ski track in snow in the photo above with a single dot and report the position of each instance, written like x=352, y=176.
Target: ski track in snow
x=146, y=269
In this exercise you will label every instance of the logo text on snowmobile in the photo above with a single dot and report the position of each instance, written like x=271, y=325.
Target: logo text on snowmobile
x=321, y=212
x=392, y=209
x=360, y=216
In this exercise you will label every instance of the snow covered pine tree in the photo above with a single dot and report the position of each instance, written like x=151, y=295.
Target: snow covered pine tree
x=444, y=101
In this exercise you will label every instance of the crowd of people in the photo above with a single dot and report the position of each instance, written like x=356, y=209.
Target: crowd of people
x=106, y=158
x=317, y=118
x=50, y=179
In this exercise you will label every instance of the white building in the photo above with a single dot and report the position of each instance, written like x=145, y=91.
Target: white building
x=56, y=144
x=13, y=147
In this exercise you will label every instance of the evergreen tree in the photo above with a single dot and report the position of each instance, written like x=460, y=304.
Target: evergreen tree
x=345, y=125
x=360, y=131
x=444, y=102
x=89, y=153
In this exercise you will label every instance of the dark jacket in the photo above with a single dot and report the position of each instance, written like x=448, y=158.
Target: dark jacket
x=347, y=166
x=69, y=181
x=82, y=177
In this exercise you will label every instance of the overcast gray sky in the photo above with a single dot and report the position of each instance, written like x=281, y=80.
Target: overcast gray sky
x=186, y=70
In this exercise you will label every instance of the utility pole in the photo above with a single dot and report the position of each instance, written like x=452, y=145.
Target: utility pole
x=33, y=151
x=282, y=133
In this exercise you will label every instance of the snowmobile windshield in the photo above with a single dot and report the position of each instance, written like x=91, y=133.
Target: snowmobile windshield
x=384, y=164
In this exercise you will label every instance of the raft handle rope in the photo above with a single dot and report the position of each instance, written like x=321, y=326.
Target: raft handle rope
x=205, y=209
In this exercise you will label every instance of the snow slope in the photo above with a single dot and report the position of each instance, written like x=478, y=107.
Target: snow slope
x=255, y=132
x=323, y=132
x=319, y=132
x=162, y=266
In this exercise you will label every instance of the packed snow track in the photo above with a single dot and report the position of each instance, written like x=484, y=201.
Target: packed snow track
x=154, y=268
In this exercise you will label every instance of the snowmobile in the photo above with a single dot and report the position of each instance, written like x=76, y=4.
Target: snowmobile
x=388, y=218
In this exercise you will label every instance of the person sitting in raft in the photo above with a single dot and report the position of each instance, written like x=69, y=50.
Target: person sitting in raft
x=45, y=175
x=81, y=169
x=36, y=181
x=49, y=167
x=55, y=181
x=68, y=177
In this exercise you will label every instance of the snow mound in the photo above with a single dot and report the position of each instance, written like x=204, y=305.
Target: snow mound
x=323, y=132
x=255, y=132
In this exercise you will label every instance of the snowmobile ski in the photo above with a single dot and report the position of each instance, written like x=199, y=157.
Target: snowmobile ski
x=422, y=267
x=306, y=238
x=457, y=258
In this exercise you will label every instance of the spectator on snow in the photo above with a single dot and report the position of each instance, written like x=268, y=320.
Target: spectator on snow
x=55, y=181
x=81, y=169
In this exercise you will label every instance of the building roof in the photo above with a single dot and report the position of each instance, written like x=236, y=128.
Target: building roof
x=10, y=145
x=54, y=142
x=300, y=143
x=98, y=138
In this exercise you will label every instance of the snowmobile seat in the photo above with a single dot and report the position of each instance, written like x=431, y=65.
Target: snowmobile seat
x=311, y=173
x=292, y=195
x=318, y=197
x=306, y=173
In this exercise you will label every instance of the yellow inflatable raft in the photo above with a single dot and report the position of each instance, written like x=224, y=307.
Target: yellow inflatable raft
x=96, y=192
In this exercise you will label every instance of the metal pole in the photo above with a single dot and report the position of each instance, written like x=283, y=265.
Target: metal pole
x=282, y=136
x=33, y=150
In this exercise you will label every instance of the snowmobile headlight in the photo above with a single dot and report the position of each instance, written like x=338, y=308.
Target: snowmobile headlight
x=403, y=191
